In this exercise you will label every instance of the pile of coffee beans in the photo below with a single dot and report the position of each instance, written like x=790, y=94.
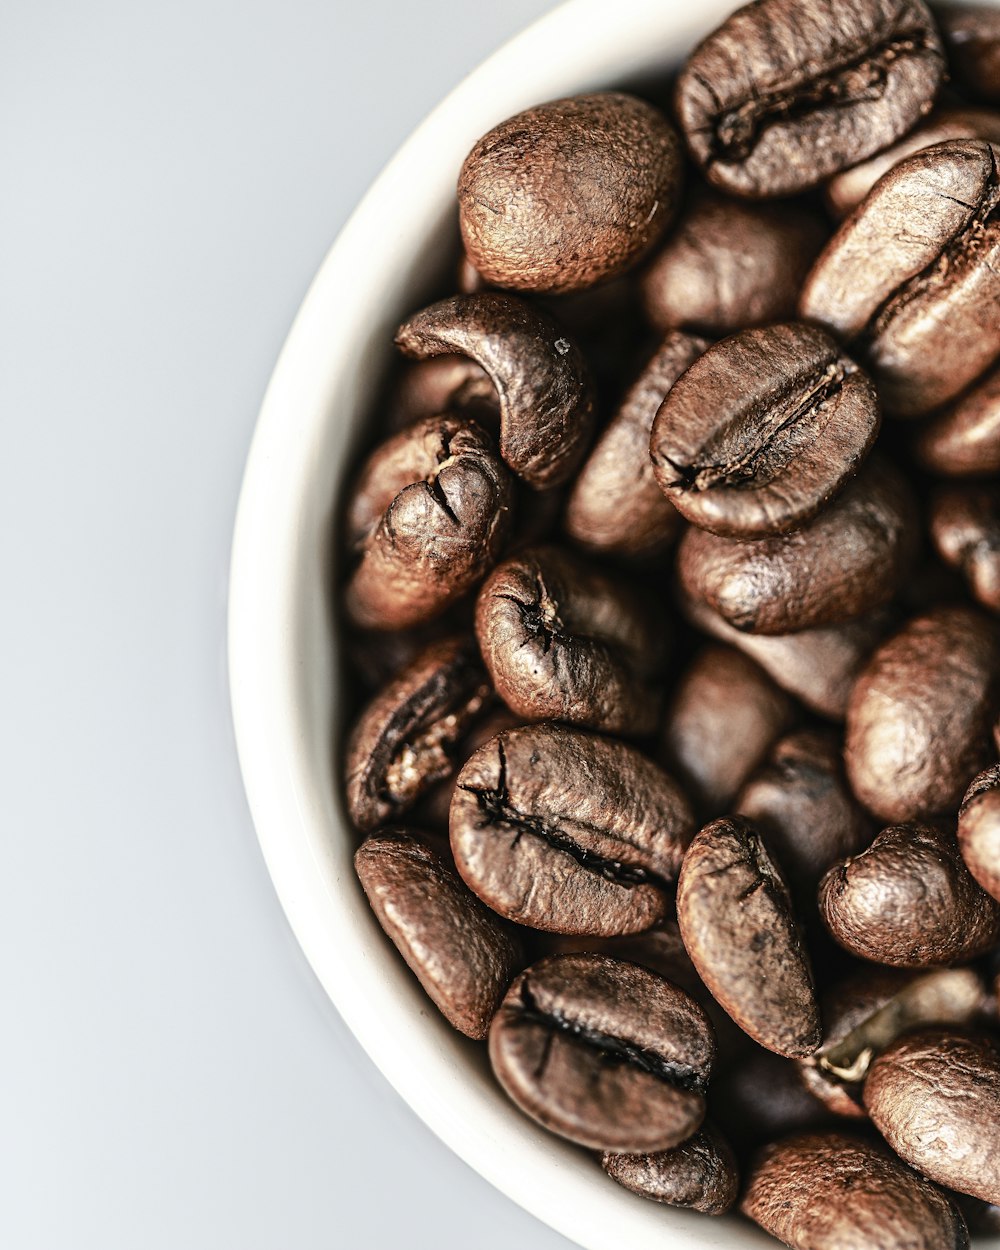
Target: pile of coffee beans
x=671, y=589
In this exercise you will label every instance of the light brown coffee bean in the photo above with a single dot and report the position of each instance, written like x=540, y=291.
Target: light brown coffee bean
x=979, y=829
x=963, y=439
x=965, y=527
x=700, y=1174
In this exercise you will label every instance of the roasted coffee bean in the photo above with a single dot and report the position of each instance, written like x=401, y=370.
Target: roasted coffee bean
x=459, y=951
x=850, y=559
x=935, y=1097
x=787, y=92
x=428, y=517
x=541, y=379
x=971, y=35
x=727, y=265
x=616, y=506
x=800, y=801
x=830, y=1191
x=965, y=527
x=763, y=430
x=920, y=713
x=909, y=901
x=979, y=829
x=568, y=832
x=723, y=717
x=604, y=1053
x=735, y=916
x=759, y=1096
x=563, y=641
x=963, y=440
x=452, y=384
x=405, y=739
x=701, y=1173
x=568, y=193
x=433, y=810
x=925, y=315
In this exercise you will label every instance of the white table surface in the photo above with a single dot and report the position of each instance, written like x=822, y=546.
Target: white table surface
x=171, y=1074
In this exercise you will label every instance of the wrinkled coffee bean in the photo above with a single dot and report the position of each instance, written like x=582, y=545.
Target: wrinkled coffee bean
x=787, y=92
x=443, y=384
x=568, y=832
x=735, y=916
x=700, y=1174
x=971, y=35
x=616, y=506
x=935, y=1097
x=965, y=527
x=963, y=439
x=604, y=1053
x=459, y=951
x=919, y=718
x=563, y=641
x=763, y=430
x=909, y=901
x=540, y=377
x=979, y=830
x=568, y=193
x=829, y=1191
x=849, y=560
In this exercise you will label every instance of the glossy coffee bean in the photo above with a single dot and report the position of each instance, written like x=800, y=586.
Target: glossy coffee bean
x=965, y=527
x=787, y=92
x=919, y=719
x=763, y=431
x=850, y=559
x=568, y=832
x=979, y=829
x=604, y=1053
x=616, y=506
x=909, y=901
x=459, y=951
x=568, y=193
x=830, y=1191
x=563, y=641
x=452, y=384
x=735, y=916
x=700, y=1174
x=971, y=34
x=963, y=439
x=935, y=1097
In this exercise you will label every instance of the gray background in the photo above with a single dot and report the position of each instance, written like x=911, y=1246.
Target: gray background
x=171, y=1074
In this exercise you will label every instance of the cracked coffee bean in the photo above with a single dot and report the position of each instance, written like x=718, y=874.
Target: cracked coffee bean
x=700, y=1174
x=965, y=527
x=971, y=35
x=604, y=1053
x=979, y=830
x=963, y=439
x=568, y=832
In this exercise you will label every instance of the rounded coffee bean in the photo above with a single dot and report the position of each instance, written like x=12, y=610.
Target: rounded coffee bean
x=452, y=384
x=616, y=505
x=604, y=1053
x=759, y=1096
x=979, y=830
x=563, y=641
x=735, y=916
x=971, y=34
x=459, y=951
x=568, y=832
x=909, y=901
x=919, y=719
x=540, y=376
x=787, y=92
x=763, y=430
x=850, y=559
x=729, y=264
x=965, y=527
x=935, y=1097
x=830, y=1191
x=700, y=1174
x=568, y=193
x=963, y=440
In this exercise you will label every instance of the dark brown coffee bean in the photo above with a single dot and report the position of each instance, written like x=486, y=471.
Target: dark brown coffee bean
x=452, y=384
x=979, y=830
x=963, y=440
x=786, y=92
x=919, y=718
x=428, y=517
x=460, y=953
x=615, y=505
x=935, y=1097
x=735, y=916
x=604, y=1053
x=700, y=1174
x=763, y=430
x=568, y=832
x=925, y=315
x=759, y=1096
x=727, y=265
x=541, y=379
x=405, y=739
x=850, y=559
x=565, y=194
x=909, y=901
x=829, y=1191
x=971, y=34
x=563, y=641
x=965, y=527
x=723, y=717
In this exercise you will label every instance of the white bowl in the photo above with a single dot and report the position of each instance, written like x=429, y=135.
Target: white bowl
x=283, y=648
